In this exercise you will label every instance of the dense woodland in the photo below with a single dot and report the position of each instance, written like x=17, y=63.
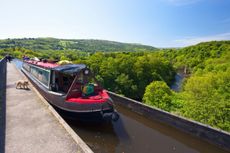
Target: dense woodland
x=85, y=45
x=146, y=74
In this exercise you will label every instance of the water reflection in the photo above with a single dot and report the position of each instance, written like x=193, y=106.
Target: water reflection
x=134, y=133
x=178, y=82
x=148, y=136
x=99, y=137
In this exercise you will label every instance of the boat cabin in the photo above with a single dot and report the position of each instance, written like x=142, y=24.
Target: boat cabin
x=72, y=79
x=72, y=89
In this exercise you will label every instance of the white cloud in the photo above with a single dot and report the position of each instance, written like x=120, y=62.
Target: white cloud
x=195, y=40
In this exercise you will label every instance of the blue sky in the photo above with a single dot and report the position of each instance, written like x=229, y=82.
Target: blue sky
x=160, y=23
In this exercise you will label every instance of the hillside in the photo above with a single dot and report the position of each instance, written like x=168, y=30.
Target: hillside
x=147, y=76
x=85, y=45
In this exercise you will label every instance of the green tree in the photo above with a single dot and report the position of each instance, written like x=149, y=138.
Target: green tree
x=158, y=94
x=125, y=85
x=207, y=99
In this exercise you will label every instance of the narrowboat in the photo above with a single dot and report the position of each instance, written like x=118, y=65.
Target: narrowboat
x=72, y=89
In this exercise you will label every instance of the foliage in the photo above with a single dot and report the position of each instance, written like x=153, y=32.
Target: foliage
x=129, y=73
x=158, y=94
x=208, y=100
x=205, y=96
x=206, y=93
x=136, y=72
x=85, y=45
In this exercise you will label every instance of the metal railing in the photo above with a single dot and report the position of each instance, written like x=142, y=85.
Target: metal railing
x=2, y=103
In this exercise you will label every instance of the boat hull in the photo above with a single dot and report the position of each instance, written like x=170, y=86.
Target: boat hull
x=92, y=117
x=74, y=111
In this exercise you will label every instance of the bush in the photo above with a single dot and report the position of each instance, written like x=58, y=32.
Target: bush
x=158, y=94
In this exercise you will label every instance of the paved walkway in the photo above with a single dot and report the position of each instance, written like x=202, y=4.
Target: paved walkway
x=30, y=127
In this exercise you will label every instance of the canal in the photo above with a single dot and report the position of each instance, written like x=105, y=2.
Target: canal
x=133, y=133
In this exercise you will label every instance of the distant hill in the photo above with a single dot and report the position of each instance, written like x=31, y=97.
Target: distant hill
x=86, y=45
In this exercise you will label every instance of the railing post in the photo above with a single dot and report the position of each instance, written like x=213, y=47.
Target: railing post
x=2, y=103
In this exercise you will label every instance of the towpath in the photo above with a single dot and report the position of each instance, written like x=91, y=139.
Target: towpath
x=30, y=126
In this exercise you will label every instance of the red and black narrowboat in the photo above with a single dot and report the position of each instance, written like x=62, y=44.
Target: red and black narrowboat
x=72, y=89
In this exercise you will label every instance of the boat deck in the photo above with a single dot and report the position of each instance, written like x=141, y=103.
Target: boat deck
x=30, y=126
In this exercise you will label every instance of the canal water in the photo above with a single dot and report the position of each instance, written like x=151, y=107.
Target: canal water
x=176, y=86
x=133, y=133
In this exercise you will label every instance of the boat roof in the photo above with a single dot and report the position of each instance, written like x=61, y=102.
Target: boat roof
x=68, y=68
x=43, y=64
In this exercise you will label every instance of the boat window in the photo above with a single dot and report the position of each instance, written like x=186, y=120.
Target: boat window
x=85, y=78
x=41, y=75
x=80, y=78
x=26, y=67
x=67, y=81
